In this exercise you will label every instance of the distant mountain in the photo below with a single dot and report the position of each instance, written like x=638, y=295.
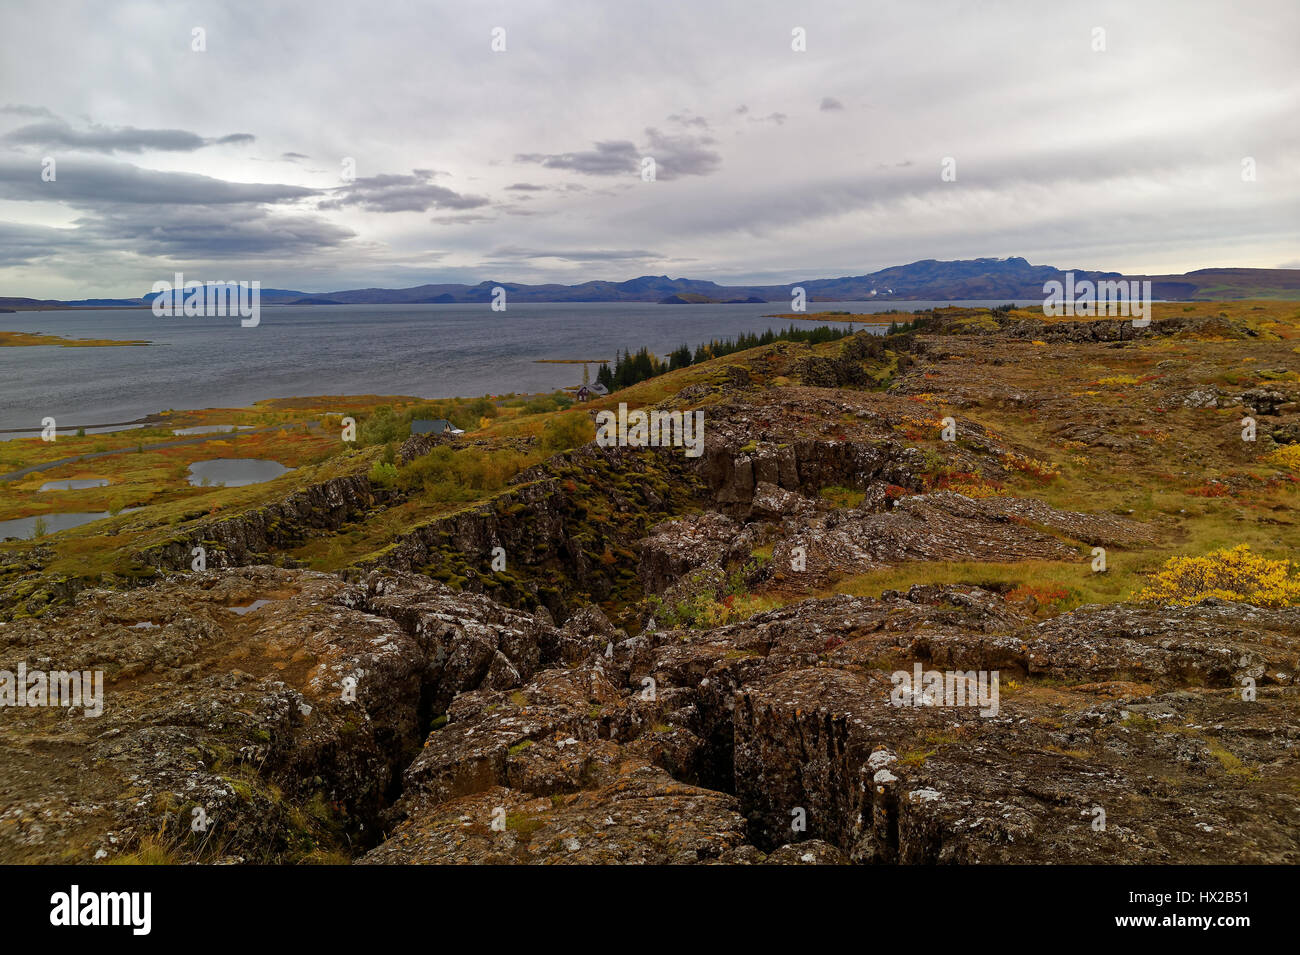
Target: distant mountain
x=268, y=296
x=927, y=280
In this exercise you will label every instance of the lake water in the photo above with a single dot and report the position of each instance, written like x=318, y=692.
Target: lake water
x=255, y=605
x=36, y=432
x=73, y=485
x=429, y=351
x=210, y=429
x=25, y=527
x=235, y=472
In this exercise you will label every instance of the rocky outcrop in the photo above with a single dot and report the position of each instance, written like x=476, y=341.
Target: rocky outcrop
x=558, y=528
x=815, y=545
x=252, y=537
x=674, y=548
x=1116, y=329
x=295, y=727
x=805, y=466
x=787, y=718
x=281, y=705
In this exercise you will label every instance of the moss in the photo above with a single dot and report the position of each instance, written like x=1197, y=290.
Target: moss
x=1230, y=763
x=916, y=757
x=525, y=826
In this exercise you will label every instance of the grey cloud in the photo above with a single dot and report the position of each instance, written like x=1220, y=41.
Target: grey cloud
x=525, y=187
x=399, y=193
x=57, y=134
x=683, y=119
x=468, y=218
x=183, y=216
x=213, y=232
x=182, y=233
x=830, y=103
x=609, y=158
x=21, y=243
x=674, y=156
x=99, y=183
x=23, y=110
x=681, y=155
x=512, y=253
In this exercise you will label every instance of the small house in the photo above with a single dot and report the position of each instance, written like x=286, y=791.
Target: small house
x=433, y=426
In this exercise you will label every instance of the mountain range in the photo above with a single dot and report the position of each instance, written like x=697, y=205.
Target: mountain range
x=926, y=280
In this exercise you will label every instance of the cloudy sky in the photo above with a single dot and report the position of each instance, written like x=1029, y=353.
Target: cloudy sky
x=335, y=144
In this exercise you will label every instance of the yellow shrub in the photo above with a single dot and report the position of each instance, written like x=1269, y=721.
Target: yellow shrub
x=1233, y=574
x=1043, y=470
x=1288, y=456
x=977, y=491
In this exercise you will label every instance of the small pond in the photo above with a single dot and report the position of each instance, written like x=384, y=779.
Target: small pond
x=235, y=472
x=73, y=485
x=255, y=605
x=25, y=527
x=212, y=429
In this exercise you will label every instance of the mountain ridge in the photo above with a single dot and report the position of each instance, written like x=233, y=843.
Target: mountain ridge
x=924, y=280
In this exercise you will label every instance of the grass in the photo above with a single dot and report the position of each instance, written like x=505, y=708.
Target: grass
x=29, y=339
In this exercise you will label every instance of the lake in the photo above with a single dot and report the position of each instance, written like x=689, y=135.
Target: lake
x=429, y=351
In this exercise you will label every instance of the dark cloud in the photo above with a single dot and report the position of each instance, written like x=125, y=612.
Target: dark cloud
x=468, y=218
x=23, y=110
x=178, y=216
x=830, y=103
x=610, y=158
x=674, y=156
x=525, y=187
x=21, y=243
x=399, y=193
x=96, y=183
x=682, y=155
x=178, y=233
x=212, y=232
x=509, y=254
x=685, y=119
x=57, y=134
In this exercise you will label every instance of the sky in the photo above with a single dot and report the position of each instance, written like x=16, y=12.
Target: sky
x=332, y=144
